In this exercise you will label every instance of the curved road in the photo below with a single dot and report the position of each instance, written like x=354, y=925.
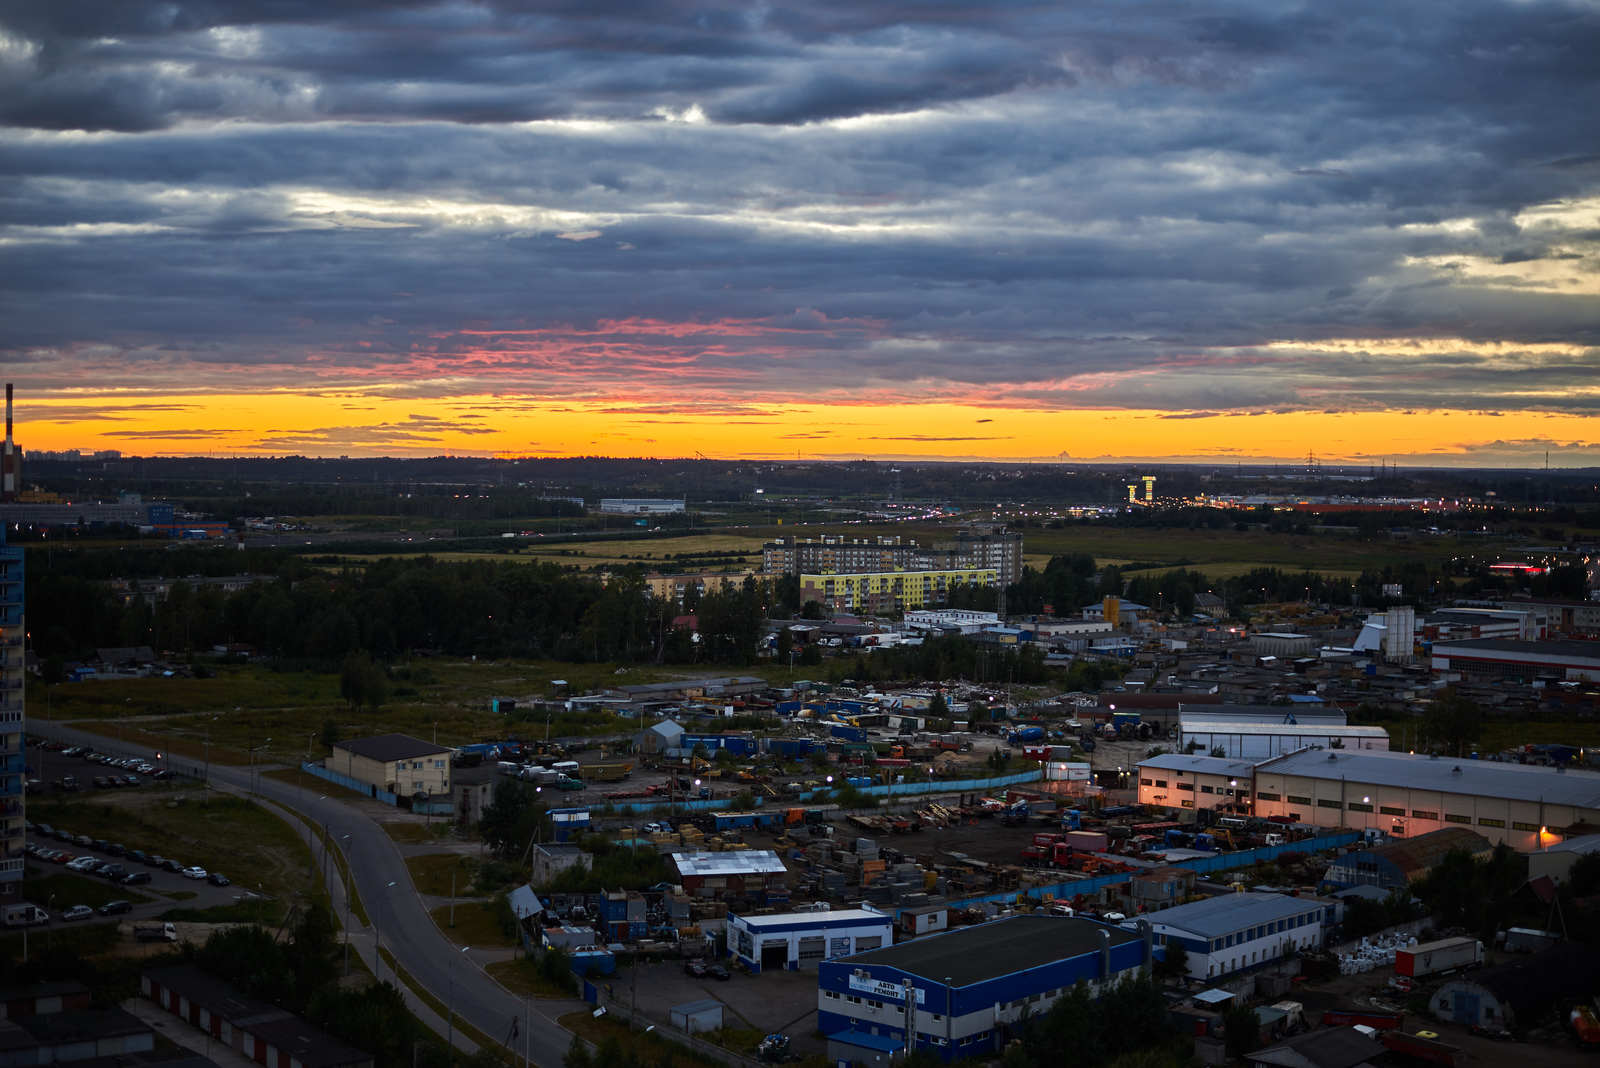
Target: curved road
x=400, y=923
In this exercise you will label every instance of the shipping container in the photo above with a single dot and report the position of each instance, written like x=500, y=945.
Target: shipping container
x=1431, y=958
x=1087, y=841
x=1380, y=1021
x=847, y=732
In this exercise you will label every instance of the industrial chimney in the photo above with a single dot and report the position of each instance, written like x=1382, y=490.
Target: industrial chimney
x=10, y=459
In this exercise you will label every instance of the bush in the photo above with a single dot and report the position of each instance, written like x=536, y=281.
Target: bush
x=555, y=967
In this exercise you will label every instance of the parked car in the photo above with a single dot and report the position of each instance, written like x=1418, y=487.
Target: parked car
x=116, y=849
x=216, y=878
x=112, y=871
x=174, y=866
x=135, y=878
x=78, y=912
x=116, y=908
x=695, y=967
x=156, y=860
x=717, y=971
x=194, y=872
x=137, y=855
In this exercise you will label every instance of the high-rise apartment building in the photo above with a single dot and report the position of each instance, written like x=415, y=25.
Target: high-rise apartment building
x=13, y=756
x=979, y=547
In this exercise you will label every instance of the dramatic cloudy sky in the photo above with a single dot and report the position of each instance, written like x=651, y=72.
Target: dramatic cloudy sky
x=1097, y=229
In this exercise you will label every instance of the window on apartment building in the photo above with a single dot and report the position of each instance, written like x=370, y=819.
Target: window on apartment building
x=1359, y=806
x=1293, y=800
x=1264, y=796
x=1485, y=821
x=1208, y=790
x=438, y=763
x=1187, y=804
x=1451, y=817
x=1186, y=787
x=1423, y=814
x=1390, y=810
x=1161, y=783
x=1147, y=782
x=1518, y=825
x=1325, y=803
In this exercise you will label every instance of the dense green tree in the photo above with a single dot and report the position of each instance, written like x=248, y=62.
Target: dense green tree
x=362, y=683
x=513, y=818
x=1241, y=1030
x=1452, y=722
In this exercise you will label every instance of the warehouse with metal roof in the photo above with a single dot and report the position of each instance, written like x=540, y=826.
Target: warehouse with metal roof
x=1232, y=932
x=1406, y=796
x=960, y=993
x=1397, y=864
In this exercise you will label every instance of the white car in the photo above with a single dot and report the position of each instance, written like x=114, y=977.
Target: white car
x=83, y=863
x=78, y=912
x=195, y=872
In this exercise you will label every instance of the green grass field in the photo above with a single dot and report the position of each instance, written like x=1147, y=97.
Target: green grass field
x=251, y=706
x=55, y=889
x=244, y=841
x=476, y=924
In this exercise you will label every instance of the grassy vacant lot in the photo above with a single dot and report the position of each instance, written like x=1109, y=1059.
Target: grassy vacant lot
x=732, y=550
x=431, y=873
x=649, y=1048
x=41, y=884
x=521, y=977
x=250, y=705
x=246, y=842
x=476, y=924
x=1218, y=553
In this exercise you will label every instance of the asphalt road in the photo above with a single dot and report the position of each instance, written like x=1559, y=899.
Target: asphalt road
x=400, y=923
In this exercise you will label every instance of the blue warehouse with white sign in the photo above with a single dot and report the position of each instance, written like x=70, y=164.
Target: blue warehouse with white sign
x=798, y=940
x=964, y=990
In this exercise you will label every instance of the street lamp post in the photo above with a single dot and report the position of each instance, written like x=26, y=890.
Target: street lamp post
x=450, y=1010
x=346, y=838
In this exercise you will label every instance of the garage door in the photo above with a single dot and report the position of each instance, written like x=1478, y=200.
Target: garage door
x=774, y=956
x=813, y=949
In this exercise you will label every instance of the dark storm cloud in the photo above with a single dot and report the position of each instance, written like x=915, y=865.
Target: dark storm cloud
x=1030, y=204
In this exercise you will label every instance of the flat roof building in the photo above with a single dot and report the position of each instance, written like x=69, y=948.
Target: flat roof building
x=959, y=993
x=1255, y=740
x=1406, y=796
x=1179, y=781
x=1232, y=932
x=888, y=591
x=1506, y=658
x=794, y=940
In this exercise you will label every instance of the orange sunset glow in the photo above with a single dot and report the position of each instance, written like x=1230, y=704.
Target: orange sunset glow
x=1009, y=232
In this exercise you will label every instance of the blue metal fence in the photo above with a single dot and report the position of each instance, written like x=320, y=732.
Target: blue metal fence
x=350, y=784
x=1215, y=862
x=942, y=786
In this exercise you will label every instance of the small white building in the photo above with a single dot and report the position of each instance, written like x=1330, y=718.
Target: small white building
x=1233, y=932
x=791, y=941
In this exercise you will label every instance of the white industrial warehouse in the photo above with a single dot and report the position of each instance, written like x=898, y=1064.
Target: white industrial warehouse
x=1402, y=795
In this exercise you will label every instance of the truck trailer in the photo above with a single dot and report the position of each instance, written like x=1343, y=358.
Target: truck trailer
x=1431, y=958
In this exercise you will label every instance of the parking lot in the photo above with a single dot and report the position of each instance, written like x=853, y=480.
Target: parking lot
x=769, y=1002
x=78, y=864
x=55, y=769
